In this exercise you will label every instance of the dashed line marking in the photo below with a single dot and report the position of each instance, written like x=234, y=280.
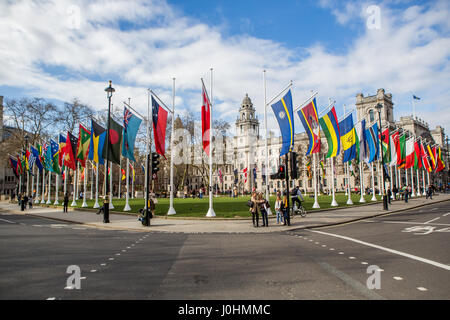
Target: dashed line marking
x=398, y=278
x=422, y=289
x=7, y=221
x=331, y=249
x=124, y=250
x=103, y=264
x=93, y=270
x=324, y=245
x=351, y=258
x=364, y=262
x=432, y=220
x=111, y=259
x=117, y=254
x=341, y=252
x=69, y=288
x=446, y=214
x=51, y=298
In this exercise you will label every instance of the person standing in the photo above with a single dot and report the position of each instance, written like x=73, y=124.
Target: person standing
x=263, y=207
x=254, y=210
x=278, y=209
x=406, y=193
x=65, y=202
x=429, y=193
x=284, y=208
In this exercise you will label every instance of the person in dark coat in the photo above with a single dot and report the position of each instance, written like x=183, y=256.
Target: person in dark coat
x=65, y=202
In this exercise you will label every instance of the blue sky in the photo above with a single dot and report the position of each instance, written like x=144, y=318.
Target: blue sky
x=70, y=48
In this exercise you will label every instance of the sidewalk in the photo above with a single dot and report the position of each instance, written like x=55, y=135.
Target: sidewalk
x=163, y=224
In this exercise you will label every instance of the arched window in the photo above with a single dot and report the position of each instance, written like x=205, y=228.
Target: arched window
x=243, y=116
x=371, y=115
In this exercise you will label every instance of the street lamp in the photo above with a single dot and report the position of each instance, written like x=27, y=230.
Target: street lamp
x=379, y=106
x=109, y=91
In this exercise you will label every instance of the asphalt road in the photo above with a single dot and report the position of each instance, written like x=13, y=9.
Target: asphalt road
x=410, y=250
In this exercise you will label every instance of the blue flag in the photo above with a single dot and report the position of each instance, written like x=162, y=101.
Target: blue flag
x=285, y=117
x=417, y=98
x=348, y=138
x=363, y=141
x=35, y=153
x=48, y=159
x=131, y=125
x=372, y=142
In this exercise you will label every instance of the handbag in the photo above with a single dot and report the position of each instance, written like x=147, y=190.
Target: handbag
x=250, y=203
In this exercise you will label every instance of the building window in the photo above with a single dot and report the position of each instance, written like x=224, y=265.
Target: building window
x=300, y=183
x=371, y=115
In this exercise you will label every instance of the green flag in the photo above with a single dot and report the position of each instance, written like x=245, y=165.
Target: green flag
x=115, y=141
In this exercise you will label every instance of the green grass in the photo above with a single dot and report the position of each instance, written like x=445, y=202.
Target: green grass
x=224, y=207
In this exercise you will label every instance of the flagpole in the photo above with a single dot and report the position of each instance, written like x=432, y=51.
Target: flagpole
x=32, y=183
x=374, y=198
x=390, y=183
x=406, y=180
x=349, y=200
x=171, y=208
x=56, y=189
x=267, y=136
x=132, y=185
x=92, y=180
x=361, y=182
x=65, y=180
x=120, y=176
x=74, y=202
x=333, y=202
x=84, y=205
x=211, y=212
x=423, y=182
x=412, y=183
x=418, y=183
x=316, y=203
x=43, y=187
x=28, y=179
x=49, y=187
x=96, y=204
x=127, y=205
x=37, y=188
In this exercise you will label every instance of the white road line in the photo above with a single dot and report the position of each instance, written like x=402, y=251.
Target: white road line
x=331, y=249
x=324, y=245
x=117, y=254
x=422, y=289
x=398, y=278
x=351, y=258
x=446, y=214
x=434, y=209
x=364, y=263
x=103, y=264
x=431, y=262
x=417, y=223
x=432, y=220
x=7, y=221
x=69, y=288
x=93, y=270
x=341, y=252
x=51, y=298
x=111, y=259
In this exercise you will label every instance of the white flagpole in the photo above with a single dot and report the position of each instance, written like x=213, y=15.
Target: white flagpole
x=20, y=185
x=345, y=172
x=120, y=176
x=111, y=186
x=92, y=180
x=374, y=198
x=36, y=200
x=96, y=205
x=132, y=186
x=65, y=181
x=84, y=205
x=43, y=187
x=74, y=201
x=127, y=205
x=407, y=182
x=399, y=177
x=32, y=182
x=171, y=208
x=211, y=212
x=380, y=181
x=49, y=187
x=361, y=182
x=349, y=200
x=423, y=182
x=390, y=183
x=333, y=202
x=316, y=203
x=56, y=189
x=28, y=179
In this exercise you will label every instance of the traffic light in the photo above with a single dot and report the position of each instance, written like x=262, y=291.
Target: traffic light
x=281, y=171
x=294, y=168
x=155, y=163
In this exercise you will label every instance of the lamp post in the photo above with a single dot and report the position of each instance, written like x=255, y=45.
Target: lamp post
x=109, y=91
x=379, y=106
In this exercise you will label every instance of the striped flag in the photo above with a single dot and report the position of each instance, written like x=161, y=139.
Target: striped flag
x=330, y=127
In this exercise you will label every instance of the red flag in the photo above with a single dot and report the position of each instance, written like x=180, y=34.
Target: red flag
x=245, y=172
x=123, y=174
x=440, y=165
x=70, y=150
x=424, y=157
x=206, y=119
x=159, y=127
x=418, y=164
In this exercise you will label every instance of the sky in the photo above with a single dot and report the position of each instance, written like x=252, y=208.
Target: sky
x=65, y=49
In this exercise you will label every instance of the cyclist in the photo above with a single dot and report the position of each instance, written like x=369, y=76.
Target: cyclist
x=296, y=194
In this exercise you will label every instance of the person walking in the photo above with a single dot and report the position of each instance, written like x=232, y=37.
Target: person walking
x=406, y=193
x=264, y=204
x=429, y=193
x=65, y=202
x=30, y=202
x=389, y=194
x=278, y=209
x=395, y=191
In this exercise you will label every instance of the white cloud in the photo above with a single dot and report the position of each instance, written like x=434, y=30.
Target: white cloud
x=408, y=55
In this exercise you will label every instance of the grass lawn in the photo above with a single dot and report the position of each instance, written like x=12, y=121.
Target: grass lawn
x=224, y=207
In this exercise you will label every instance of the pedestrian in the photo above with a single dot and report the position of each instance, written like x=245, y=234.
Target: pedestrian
x=429, y=193
x=278, y=209
x=264, y=205
x=284, y=208
x=30, y=202
x=395, y=191
x=19, y=199
x=405, y=193
x=389, y=194
x=254, y=210
x=65, y=202
x=25, y=201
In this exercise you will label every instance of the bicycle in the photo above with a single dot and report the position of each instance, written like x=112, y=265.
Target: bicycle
x=298, y=211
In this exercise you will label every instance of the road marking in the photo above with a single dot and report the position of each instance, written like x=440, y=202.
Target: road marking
x=446, y=214
x=111, y=259
x=341, y=252
x=324, y=245
x=422, y=289
x=103, y=264
x=7, y=221
x=434, y=209
x=398, y=278
x=432, y=220
x=124, y=250
x=79, y=228
x=117, y=254
x=69, y=288
x=51, y=298
x=415, y=223
x=431, y=262
x=93, y=270
x=364, y=263
x=332, y=249
x=128, y=247
x=351, y=258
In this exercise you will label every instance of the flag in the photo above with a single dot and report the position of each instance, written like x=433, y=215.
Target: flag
x=123, y=174
x=425, y=160
x=82, y=174
x=348, y=138
x=206, y=119
x=362, y=141
x=285, y=116
x=62, y=146
x=70, y=160
x=15, y=166
x=417, y=98
x=417, y=156
x=48, y=159
x=84, y=140
x=25, y=161
x=432, y=159
x=308, y=169
x=392, y=139
x=19, y=165
x=440, y=164
x=159, y=127
x=323, y=168
x=31, y=160
x=98, y=137
x=401, y=151
x=115, y=140
x=35, y=152
x=409, y=153
x=330, y=127
x=310, y=121
x=131, y=125
x=54, y=147
x=372, y=142
x=385, y=146
x=245, y=173
x=132, y=170
x=220, y=176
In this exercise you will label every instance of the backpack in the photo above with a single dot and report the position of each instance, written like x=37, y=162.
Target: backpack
x=294, y=192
